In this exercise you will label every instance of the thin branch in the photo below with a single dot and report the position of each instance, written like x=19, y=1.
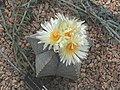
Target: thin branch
x=73, y=6
x=27, y=61
x=4, y=25
x=28, y=5
x=7, y=59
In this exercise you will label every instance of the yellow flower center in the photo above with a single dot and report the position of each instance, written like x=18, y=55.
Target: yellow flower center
x=55, y=36
x=71, y=47
x=69, y=34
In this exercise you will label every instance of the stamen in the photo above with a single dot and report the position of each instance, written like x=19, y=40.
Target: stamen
x=71, y=47
x=55, y=36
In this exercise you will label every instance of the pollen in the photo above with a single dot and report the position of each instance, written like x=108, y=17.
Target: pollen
x=71, y=47
x=69, y=34
x=55, y=36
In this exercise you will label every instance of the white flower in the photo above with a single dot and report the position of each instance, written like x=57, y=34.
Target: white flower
x=67, y=36
x=50, y=36
x=74, y=50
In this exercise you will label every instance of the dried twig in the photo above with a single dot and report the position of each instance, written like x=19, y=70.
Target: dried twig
x=7, y=59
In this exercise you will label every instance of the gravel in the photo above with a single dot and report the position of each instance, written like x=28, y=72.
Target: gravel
x=100, y=71
x=10, y=79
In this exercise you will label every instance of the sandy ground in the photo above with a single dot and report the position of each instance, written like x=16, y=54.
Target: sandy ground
x=100, y=71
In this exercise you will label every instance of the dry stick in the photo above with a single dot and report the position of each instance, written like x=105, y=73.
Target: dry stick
x=9, y=35
x=7, y=59
x=74, y=6
x=24, y=14
x=4, y=22
x=105, y=24
x=102, y=21
x=28, y=4
x=83, y=5
x=28, y=61
x=14, y=44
